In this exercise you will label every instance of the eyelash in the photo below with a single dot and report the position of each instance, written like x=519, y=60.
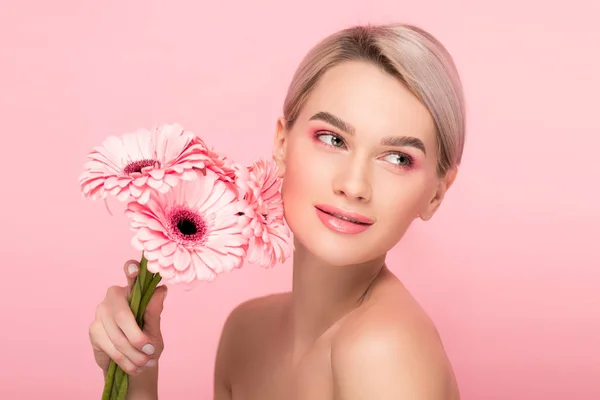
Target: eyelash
x=319, y=135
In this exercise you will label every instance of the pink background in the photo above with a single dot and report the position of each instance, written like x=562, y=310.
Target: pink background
x=506, y=269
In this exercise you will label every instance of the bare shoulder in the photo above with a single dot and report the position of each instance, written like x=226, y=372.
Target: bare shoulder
x=390, y=349
x=263, y=307
x=243, y=329
x=247, y=321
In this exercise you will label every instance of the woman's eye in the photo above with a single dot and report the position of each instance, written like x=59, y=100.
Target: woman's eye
x=331, y=140
x=399, y=159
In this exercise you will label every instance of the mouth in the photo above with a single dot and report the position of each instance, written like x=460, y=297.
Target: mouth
x=344, y=215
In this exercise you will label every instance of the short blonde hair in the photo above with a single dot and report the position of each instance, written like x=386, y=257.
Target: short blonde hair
x=411, y=54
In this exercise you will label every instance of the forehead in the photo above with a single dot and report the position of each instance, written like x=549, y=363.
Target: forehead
x=374, y=102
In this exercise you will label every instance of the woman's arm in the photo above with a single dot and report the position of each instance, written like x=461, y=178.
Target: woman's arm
x=144, y=386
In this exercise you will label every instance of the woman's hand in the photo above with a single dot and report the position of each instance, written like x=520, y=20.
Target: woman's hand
x=115, y=334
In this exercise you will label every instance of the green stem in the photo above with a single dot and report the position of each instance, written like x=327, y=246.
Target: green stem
x=143, y=271
x=134, y=304
x=122, y=393
x=156, y=278
x=115, y=388
x=108, y=384
x=117, y=381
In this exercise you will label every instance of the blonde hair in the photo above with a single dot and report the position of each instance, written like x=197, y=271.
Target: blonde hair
x=407, y=52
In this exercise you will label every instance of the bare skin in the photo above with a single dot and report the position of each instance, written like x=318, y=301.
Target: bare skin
x=114, y=334
x=257, y=360
x=349, y=329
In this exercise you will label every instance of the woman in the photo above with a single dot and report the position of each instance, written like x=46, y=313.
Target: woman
x=370, y=139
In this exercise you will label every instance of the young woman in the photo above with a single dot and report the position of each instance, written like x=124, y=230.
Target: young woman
x=370, y=139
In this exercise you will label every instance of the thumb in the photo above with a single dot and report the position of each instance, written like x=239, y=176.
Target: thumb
x=153, y=312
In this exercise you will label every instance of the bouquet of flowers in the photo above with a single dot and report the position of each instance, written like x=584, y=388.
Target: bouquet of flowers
x=195, y=213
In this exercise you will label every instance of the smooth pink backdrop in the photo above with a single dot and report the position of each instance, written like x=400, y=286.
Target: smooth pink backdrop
x=507, y=268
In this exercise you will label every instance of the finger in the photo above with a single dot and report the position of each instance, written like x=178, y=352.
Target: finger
x=122, y=343
x=123, y=318
x=102, y=341
x=153, y=312
x=132, y=269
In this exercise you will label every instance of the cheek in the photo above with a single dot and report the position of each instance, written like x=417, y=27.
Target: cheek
x=306, y=170
x=399, y=203
x=302, y=183
x=309, y=173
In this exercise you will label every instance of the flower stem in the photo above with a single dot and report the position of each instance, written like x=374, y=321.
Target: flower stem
x=108, y=385
x=148, y=293
x=143, y=270
x=117, y=381
x=123, y=387
x=134, y=304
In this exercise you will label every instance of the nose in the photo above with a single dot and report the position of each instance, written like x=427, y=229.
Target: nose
x=352, y=181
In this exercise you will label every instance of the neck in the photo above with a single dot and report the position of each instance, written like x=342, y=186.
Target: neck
x=322, y=294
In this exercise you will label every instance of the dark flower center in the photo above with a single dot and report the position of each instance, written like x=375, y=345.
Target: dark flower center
x=186, y=226
x=137, y=166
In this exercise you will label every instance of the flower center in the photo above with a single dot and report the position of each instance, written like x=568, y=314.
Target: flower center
x=137, y=166
x=186, y=226
x=263, y=211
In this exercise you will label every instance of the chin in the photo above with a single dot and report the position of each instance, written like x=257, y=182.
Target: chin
x=335, y=256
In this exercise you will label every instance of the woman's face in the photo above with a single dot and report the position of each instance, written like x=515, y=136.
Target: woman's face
x=362, y=144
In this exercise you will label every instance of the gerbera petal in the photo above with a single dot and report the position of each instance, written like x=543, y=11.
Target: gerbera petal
x=181, y=259
x=170, y=180
x=218, y=260
x=135, y=191
x=269, y=239
x=157, y=174
x=156, y=243
x=150, y=255
x=168, y=248
x=113, y=146
x=166, y=262
x=190, y=230
x=92, y=184
x=137, y=244
x=123, y=195
x=141, y=180
x=111, y=182
x=188, y=175
x=186, y=276
x=145, y=196
x=203, y=272
x=154, y=184
x=146, y=234
x=131, y=142
x=163, y=154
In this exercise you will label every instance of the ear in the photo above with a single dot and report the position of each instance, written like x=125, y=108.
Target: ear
x=279, y=145
x=443, y=185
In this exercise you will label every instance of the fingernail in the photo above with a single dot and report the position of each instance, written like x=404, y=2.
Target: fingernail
x=165, y=295
x=150, y=363
x=148, y=349
x=139, y=370
x=132, y=268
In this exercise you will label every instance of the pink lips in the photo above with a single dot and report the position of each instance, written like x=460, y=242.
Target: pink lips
x=342, y=221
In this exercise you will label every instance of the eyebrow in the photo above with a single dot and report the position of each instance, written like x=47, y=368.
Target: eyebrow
x=333, y=120
x=404, y=141
x=399, y=141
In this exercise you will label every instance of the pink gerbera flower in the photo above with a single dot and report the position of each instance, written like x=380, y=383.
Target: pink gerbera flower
x=135, y=164
x=269, y=238
x=223, y=166
x=192, y=232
